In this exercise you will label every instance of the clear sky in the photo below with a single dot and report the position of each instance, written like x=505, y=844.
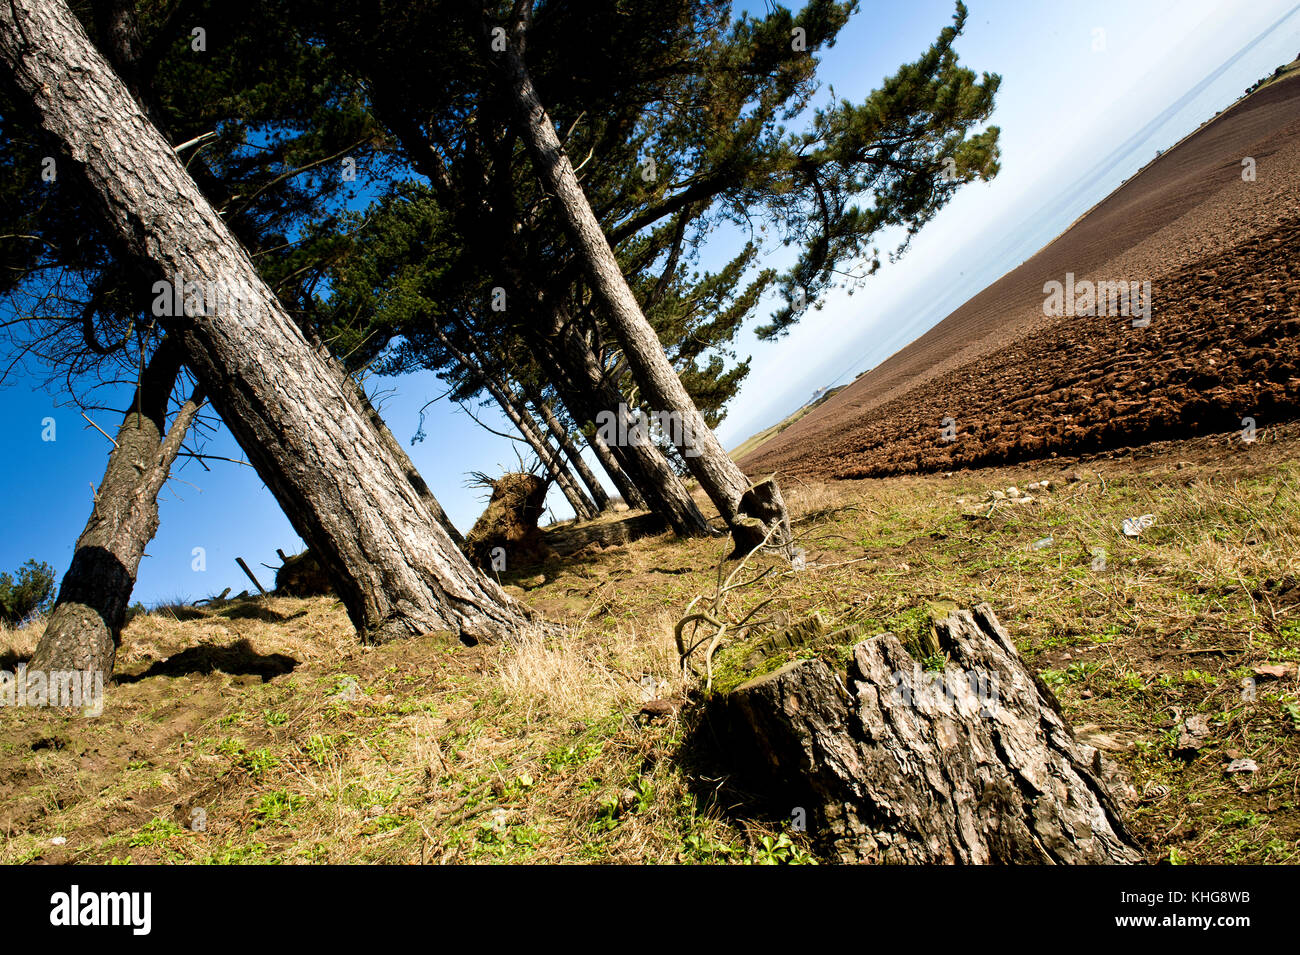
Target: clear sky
x=1079, y=110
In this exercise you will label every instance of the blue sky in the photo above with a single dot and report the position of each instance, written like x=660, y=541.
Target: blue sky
x=1080, y=111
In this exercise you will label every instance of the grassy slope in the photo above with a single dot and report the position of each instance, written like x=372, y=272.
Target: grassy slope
x=535, y=751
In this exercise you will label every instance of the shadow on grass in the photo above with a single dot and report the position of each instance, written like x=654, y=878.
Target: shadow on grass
x=237, y=659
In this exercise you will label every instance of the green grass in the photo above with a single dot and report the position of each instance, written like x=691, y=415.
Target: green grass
x=534, y=751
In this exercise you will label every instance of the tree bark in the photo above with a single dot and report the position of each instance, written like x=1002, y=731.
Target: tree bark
x=404, y=461
x=86, y=624
x=599, y=497
x=899, y=764
x=293, y=412
x=579, y=409
x=649, y=481
x=753, y=512
x=631, y=496
x=592, y=392
x=120, y=30
x=583, y=508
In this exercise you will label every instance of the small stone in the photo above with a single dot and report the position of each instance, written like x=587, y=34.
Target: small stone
x=1195, y=731
x=658, y=708
x=1242, y=766
x=1275, y=671
x=59, y=841
x=997, y=495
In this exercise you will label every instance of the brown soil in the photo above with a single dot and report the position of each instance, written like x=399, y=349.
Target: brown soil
x=1223, y=342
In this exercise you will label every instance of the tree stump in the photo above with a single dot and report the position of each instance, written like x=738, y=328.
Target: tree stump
x=506, y=536
x=302, y=576
x=762, y=517
x=898, y=764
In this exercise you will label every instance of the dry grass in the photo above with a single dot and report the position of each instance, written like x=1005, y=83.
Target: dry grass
x=19, y=642
x=295, y=744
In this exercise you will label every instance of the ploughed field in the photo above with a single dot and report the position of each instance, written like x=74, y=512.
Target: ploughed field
x=1223, y=346
x=1223, y=259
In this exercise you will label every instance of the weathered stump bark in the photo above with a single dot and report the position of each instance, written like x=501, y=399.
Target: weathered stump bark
x=899, y=765
x=569, y=539
x=762, y=517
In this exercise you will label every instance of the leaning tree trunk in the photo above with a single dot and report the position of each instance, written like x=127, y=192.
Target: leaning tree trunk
x=650, y=481
x=386, y=436
x=583, y=509
x=754, y=513
x=896, y=763
x=631, y=496
x=85, y=626
x=589, y=392
x=571, y=451
x=293, y=412
x=580, y=410
x=404, y=461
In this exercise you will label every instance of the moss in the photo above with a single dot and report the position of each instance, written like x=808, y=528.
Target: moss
x=766, y=652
